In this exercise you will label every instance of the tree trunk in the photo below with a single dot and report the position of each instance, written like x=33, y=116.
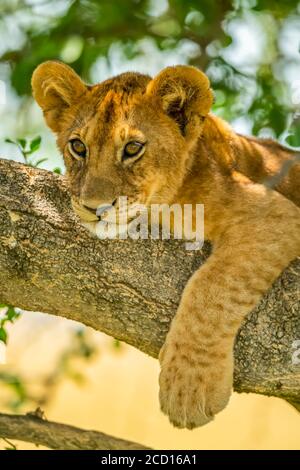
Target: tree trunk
x=128, y=289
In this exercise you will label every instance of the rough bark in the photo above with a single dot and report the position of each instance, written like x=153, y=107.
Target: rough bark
x=59, y=436
x=128, y=289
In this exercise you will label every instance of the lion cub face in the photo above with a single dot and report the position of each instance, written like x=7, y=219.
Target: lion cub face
x=128, y=136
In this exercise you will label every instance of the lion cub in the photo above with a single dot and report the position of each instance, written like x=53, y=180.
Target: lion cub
x=154, y=141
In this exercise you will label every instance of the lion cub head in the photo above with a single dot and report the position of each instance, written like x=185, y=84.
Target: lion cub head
x=127, y=136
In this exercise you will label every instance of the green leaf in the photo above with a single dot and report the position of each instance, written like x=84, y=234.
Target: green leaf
x=9, y=141
x=3, y=305
x=35, y=144
x=22, y=142
x=57, y=170
x=3, y=335
x=11, y=314
x=293, y=140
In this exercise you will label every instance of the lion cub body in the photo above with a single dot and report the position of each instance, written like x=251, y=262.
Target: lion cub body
x=187, y=156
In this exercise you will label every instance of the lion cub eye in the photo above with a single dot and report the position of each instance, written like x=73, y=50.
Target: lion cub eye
x=77, y=148
x=132, y=149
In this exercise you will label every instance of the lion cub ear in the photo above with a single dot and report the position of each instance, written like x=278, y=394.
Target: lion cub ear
x=56, y=87
x=185, y=96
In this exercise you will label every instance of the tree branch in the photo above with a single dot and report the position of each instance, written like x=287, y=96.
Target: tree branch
x=128, y=289
x=59, y=436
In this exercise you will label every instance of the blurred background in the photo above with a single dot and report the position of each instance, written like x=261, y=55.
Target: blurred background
x=250, y=51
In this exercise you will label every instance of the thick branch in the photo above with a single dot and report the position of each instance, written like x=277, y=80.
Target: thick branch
x=128, y=289
x=59, y=436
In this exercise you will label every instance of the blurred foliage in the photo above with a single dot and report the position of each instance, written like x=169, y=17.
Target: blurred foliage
x=22, y=392
x=27, y=148
x=82, y=31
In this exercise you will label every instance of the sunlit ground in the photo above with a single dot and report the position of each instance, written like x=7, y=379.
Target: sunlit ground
x=119, y=396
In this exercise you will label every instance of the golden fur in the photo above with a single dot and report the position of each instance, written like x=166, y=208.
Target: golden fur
x=190, y=156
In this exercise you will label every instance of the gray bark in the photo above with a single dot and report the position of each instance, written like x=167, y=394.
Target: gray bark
x=58, y=436
x=128, y=289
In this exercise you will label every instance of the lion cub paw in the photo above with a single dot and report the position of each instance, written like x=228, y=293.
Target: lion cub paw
x=193, y=389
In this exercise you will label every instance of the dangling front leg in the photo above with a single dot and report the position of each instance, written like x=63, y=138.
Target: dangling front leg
x=197, y=358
